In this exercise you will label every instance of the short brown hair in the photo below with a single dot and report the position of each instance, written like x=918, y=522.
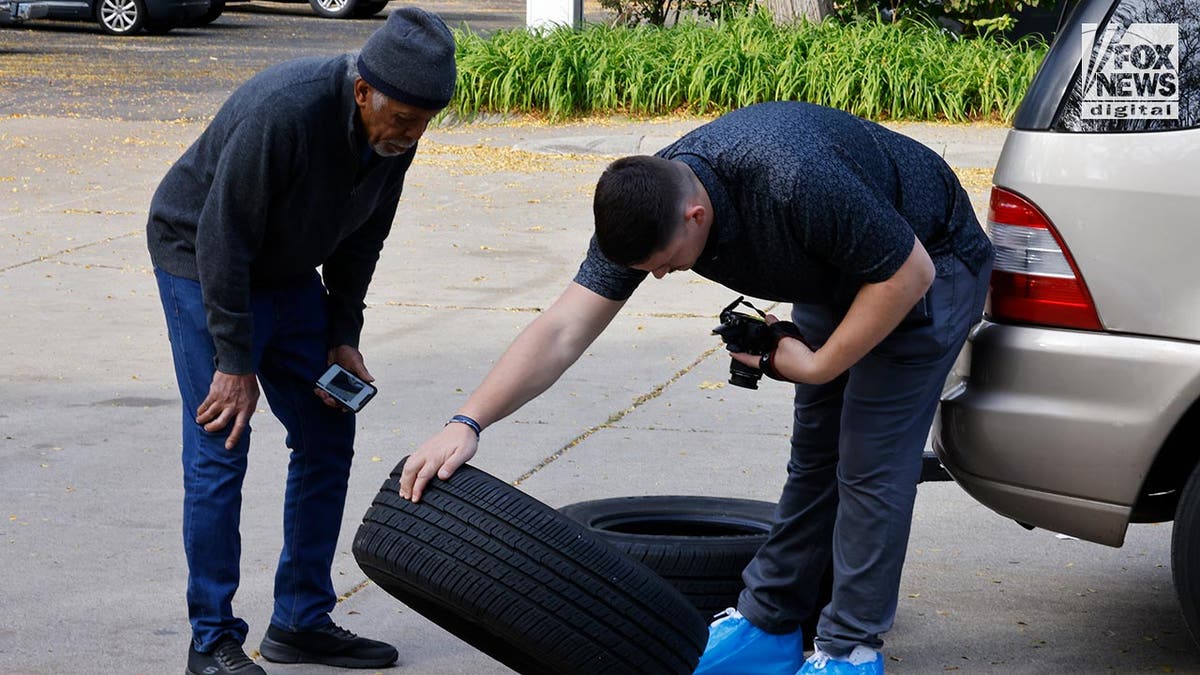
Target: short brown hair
x=638, y=207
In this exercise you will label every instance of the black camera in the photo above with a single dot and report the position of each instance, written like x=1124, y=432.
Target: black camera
x=751, y=334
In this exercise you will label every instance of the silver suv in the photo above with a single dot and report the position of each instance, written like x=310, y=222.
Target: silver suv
x=1080, y=411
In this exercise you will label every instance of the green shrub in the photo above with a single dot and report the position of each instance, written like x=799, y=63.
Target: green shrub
x=875, y=70
x=656, y=12
x=978, y=17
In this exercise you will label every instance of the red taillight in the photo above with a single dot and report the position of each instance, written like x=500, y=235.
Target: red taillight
x=1034, y=279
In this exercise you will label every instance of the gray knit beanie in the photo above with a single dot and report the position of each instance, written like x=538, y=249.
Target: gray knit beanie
x=411, y=59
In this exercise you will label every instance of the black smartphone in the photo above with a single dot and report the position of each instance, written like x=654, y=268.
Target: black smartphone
x=346, y=387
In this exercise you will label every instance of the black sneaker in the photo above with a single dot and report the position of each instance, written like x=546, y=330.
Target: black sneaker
x=226, y=657
x=330, y=646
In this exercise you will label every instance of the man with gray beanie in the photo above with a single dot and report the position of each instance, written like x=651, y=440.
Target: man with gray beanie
x=302, y=167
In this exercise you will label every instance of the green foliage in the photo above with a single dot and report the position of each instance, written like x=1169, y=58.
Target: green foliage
x=979, y=17
x=875, y=70
x=657, y=12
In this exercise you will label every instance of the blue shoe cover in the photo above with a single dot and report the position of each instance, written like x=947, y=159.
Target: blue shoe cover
x=861, y=661
x=738, y=647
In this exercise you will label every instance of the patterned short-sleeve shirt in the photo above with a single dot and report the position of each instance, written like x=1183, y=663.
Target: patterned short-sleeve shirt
x=809, y=204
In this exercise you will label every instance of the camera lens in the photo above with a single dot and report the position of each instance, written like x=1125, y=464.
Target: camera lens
x=741, y=375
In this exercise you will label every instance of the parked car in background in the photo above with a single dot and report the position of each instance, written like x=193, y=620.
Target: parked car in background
x=1080, y=410
x=16, y=11
x=330, y=9
x=116, y=17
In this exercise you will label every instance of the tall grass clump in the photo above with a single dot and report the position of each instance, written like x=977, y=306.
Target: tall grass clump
x=877, y=70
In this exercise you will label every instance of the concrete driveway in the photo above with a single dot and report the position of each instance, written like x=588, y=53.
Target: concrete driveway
x=492, y=225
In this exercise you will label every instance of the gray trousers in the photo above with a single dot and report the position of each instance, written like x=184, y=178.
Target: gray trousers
x=852, y=477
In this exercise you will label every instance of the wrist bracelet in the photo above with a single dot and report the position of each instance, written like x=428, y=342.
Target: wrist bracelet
x=463, y=419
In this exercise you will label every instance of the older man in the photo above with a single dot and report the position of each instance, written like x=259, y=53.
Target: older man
x=302, y=167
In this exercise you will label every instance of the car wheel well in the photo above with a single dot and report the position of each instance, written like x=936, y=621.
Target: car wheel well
x=1164, y=482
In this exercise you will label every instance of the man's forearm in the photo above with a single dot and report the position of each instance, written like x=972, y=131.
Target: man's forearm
x=541, y=354
x=875, y=313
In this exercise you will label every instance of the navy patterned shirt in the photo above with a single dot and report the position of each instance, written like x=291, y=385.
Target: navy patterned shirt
x=809, y=204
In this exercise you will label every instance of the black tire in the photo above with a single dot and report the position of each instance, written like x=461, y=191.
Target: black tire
x=160, y=27
x=121, y=17
x=333, y=9
x=522, y=583
x=700, y=545
x=215, y=9
x=1185, y=553
x=368, y=8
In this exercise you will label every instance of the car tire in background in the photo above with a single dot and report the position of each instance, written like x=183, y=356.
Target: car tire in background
x=521, y=582
x=215, y=9
x=159, y=27
x=121, y=17
x=368, y=8
x=333, y=9
x=1185, y=553
x=699, y=545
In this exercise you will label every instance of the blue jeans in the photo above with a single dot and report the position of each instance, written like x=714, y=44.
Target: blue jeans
x=290, y=352
x=852, y=477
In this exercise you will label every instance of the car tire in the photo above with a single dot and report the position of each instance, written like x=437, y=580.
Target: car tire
x=159, y=27
x=121, y=17
x=333, y=9
x=519, y=581
x=215, y=9
x=699, y=545
x=1185, y=553
x=368, y=8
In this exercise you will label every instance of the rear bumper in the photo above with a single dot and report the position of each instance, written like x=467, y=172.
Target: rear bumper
x=12, y=11
x=1059, y=428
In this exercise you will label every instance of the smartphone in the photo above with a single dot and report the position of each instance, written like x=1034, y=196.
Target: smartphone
x=346, y=387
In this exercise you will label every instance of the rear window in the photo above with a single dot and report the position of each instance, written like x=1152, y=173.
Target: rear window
x=1139, y=71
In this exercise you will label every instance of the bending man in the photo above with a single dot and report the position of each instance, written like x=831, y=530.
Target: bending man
x=873, y=240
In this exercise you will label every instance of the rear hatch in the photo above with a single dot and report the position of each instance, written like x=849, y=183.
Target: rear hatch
x=1097, y=222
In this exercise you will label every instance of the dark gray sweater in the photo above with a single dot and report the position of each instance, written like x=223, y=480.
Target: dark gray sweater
x=281, y=182
x=810, y=203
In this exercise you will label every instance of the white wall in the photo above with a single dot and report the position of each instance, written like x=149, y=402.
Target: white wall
x=552, y=13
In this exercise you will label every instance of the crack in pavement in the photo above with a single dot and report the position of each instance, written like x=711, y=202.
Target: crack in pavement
x=612, y=420
x=65, y=251
x=617, y=416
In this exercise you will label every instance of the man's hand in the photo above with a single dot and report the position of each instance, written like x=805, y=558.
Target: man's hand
x=351, y=359
x=793, y=360
x=230, y=398
x=439, y=456
x=876, y=311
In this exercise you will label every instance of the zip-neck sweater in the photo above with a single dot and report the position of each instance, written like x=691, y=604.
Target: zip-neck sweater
x=282, y=181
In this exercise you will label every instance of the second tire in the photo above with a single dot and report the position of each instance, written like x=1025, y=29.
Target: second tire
x=700, y=545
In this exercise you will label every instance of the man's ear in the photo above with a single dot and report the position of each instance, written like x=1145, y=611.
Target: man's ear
x=362, y=92
x=695, y=213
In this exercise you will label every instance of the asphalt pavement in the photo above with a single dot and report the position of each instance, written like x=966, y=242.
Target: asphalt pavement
x=492, y=226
